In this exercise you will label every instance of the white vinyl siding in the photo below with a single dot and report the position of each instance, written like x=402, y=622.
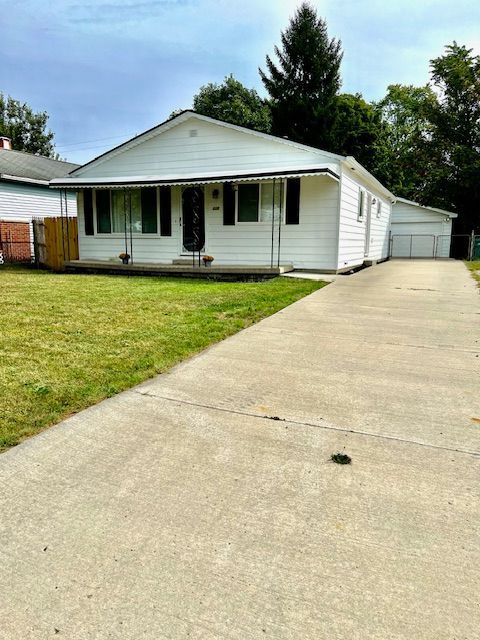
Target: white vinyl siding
x=431, y=232
x=311, y=244
x=354, y=244
x=22, y=202
x=214, y=148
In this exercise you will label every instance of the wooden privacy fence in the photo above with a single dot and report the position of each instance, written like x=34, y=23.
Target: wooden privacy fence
x=55, y=241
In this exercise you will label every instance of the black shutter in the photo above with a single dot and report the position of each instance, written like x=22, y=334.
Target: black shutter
x=149, y=210
x=165, y=211
x=88, y=212
x=292, y=213
x=228, y=204
x=102, y=199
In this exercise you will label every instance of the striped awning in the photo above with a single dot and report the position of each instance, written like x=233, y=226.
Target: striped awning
x=172, y=180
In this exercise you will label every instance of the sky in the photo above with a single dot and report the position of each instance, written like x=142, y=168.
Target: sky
x=106, y=70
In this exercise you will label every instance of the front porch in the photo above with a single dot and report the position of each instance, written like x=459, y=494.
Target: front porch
x=184, y=270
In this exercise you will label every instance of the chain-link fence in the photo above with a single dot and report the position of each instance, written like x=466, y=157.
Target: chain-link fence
x=459, y=246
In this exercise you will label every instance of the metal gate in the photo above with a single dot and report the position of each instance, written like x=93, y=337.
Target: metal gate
x=409, y=245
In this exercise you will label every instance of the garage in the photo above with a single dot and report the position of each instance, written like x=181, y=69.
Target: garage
x=418, y=231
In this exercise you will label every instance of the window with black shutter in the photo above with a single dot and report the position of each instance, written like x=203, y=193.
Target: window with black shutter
x=88, y=212
x=292, y=213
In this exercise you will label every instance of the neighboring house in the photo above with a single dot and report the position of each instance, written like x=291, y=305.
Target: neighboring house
x=25, y=194
x=194, y=183
x=419, y=231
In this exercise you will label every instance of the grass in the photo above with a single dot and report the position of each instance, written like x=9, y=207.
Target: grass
x=69, y=341
x=474, y=266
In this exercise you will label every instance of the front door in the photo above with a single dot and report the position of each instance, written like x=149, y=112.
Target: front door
x=193, y=219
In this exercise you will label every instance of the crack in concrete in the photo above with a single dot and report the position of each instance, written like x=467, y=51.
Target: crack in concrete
x=328, y=427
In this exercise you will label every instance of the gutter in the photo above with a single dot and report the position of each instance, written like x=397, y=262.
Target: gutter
x=8, y=178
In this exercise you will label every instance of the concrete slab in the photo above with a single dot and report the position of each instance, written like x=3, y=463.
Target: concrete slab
x=178, y=510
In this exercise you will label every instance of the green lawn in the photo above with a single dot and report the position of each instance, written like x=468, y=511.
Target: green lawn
x=474, y=266
x=68, y=341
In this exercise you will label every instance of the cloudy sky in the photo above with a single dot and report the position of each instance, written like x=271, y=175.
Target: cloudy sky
x=107, y=69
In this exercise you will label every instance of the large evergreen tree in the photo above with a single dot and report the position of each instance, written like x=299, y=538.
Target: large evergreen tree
x=303, y=87
x=232, y=102
x=26, y=128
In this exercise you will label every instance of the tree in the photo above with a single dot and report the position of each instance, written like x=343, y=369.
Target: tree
x=403, y=155
x=455, y=179
x=27, y=129
x=232, y=102
x=356, y=130
x=303, y=87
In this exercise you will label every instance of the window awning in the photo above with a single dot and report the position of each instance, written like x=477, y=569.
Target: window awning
x=171, y=180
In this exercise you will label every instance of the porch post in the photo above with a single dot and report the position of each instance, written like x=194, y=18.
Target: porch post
x=280, y=221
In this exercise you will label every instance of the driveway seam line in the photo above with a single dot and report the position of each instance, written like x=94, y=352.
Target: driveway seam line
x=476, y=454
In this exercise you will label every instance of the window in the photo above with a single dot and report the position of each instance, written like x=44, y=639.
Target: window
x=256, y=202
x=126, y=209
x=361, y=204
x=269, y=201
x=118, y=209
x=248, y=198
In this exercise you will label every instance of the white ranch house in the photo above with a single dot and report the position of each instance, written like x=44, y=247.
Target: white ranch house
x=195, y=184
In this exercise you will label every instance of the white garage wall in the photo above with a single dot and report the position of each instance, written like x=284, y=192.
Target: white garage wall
x=431, y=231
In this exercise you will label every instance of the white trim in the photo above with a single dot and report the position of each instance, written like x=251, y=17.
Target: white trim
x=450, y=214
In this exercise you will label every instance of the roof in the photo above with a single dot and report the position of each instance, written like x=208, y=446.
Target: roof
x=27, y=167
x=450, y=214
x=74, y=178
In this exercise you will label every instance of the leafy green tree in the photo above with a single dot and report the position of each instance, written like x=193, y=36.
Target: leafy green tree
x=232, y=102
x=455, y=178
x=356, y=130
x=27, y=129
x=303, y=87
x=403, y=157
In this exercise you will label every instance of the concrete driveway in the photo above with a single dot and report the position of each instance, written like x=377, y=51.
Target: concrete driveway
x=185, y=509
